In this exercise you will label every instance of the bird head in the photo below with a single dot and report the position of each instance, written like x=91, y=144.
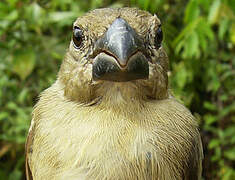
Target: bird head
x=115, y=52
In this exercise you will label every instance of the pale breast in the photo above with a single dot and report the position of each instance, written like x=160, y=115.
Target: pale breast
x=98, y=144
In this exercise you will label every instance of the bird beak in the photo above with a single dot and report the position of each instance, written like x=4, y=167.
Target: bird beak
x=120, y=54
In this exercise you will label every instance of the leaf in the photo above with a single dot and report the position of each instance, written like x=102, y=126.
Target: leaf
x=202, y=41
x=228, y=174
x=146, y=4
x=96, y=3
x=192, y=11
x=229, y=131
x=208, y=105
x=209, y=119
x=217, y=154
x=116, y=5
x=3, y=115
x=62, y=17
x=12, y=106
x=35, y=14
x=230, y=154
x=232, y=33
x=187, y=30
x=12, y=16
x=204, y=28
x=192, y=44
x=227, y=110
x=179, y=46
x=223, y=28
x=214, y=143
x=22, y=96
x=181, y=76
x=223, y=97
x=23, y=63
x=214, y=12
x=15, y=175
x=141, y=3
x=12, y=2
x=214, y=83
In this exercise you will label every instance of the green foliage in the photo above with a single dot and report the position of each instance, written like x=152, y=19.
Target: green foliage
x=199, y=37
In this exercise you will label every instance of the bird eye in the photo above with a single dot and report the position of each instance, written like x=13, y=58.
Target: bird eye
x=77, y=37
x=158, y=37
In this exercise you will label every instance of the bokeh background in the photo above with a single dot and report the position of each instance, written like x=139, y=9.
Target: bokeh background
x=199, y=36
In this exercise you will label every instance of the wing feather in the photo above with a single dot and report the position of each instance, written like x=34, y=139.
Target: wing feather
x=28, y=151
x=194, y=169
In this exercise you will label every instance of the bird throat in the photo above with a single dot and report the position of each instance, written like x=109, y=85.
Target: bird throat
x=120, y=94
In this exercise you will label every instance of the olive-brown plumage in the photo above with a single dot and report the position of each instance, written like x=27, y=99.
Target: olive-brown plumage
x=110, y=115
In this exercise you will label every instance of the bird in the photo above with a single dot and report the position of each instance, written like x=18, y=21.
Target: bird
x=110, y=114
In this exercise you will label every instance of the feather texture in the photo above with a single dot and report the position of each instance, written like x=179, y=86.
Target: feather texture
x=107, y=130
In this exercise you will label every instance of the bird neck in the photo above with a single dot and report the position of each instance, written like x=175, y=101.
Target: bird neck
x=121, y=96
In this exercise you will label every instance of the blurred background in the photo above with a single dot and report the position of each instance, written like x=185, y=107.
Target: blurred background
x=199, y=36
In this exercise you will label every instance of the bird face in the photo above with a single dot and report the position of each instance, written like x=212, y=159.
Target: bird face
x=115, y=50
x=119, y=54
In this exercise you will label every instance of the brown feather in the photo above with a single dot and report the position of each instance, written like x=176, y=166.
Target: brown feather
x=27, y=152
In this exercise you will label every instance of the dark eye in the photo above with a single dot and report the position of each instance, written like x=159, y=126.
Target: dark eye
x=77, y=37
x=158, y=37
